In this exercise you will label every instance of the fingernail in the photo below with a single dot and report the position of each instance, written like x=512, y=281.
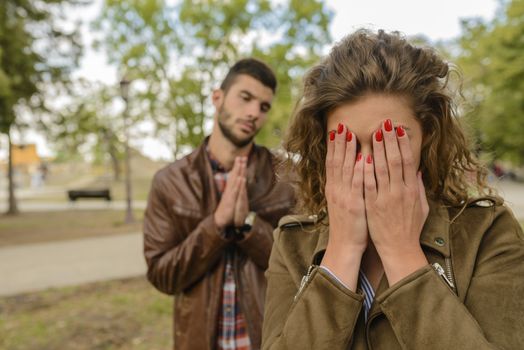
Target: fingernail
x=359, y=157
x=388, y=125
x=331, y=135
x=340, y=128
x=349, y=136
x=400, y=131
x=378, y=135
x=369, y=159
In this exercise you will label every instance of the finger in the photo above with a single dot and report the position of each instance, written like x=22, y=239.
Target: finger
x=357, y=183
x=241, y=200
x=370, y=185
x=393, y=157
x=380, y=163
x=329, y=156
x=422, y=194
x=242, y=192
x=242, y=167
x=408, y=163
x=237, y=184
x=339, y=153
x=233, y=173
x=349, y=159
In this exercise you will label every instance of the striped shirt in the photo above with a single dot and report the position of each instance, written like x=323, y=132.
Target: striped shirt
x=369, y=293
x=365, y=285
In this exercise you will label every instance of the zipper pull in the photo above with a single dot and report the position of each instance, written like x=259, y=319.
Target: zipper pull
x=304, y=280
x=442, y=274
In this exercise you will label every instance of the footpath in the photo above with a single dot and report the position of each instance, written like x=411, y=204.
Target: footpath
x=32, y=267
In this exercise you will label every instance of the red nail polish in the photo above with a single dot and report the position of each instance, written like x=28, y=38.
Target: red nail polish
x=331, y=135
x=369, y=159
x=359, y=157
x=340, y=128
x=400, y=131
x=349, y=136
x=388, y=126
x=378, y=135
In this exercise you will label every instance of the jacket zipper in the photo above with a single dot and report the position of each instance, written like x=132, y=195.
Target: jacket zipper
x=304, y=280
x=449, y=274
x=442, y=273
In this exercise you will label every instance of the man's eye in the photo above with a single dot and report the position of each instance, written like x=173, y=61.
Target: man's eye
x=246, y=98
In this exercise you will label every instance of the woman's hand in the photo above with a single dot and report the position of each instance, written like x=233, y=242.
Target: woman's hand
x=348, y=235
x=396, y=204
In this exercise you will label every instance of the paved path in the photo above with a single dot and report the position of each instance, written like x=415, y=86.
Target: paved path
x=32, y=267
x=80, y=205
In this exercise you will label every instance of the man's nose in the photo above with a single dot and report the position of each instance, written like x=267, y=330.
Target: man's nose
x=254, y=109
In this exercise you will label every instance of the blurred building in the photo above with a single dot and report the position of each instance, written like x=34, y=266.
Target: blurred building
x=29, y=167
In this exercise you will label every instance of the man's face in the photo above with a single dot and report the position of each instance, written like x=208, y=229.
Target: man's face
x=242, y=110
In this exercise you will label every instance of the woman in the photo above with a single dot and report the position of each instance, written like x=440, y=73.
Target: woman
x=404, y=250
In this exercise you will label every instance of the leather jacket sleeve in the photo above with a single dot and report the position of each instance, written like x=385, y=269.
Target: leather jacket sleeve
x=175, y=262
x=258, y=242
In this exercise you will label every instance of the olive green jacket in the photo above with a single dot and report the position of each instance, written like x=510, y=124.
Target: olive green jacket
x=477, y=302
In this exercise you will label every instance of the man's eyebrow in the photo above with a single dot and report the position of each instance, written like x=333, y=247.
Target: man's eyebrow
x=247, y=92
x=264, y=103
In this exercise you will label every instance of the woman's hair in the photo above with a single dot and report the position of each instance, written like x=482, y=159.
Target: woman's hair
x=385, y=63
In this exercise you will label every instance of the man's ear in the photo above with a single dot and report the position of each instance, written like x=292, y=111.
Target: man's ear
x=217, y=98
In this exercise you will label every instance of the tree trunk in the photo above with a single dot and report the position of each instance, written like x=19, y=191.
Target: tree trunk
x=111, y=149
x=13, y=208
x=115, y=163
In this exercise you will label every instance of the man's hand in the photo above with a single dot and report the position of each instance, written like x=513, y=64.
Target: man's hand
x=225, y=212
x=242, y=205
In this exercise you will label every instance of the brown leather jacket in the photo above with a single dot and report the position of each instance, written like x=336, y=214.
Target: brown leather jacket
x=184, y=250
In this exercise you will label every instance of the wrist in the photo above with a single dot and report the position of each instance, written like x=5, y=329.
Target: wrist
x=344, y=265
x=400, y=264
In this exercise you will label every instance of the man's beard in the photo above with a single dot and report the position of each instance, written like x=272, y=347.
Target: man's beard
x=223, y=116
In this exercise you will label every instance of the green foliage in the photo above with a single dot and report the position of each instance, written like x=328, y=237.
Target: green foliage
x=35, y=52
x=36, y=55
x=178, y=54
x=493, y=62
x=89, y=122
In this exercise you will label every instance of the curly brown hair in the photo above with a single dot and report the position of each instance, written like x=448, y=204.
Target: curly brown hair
x=367, y=62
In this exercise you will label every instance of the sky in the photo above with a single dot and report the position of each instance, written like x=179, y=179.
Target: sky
x=437, y=20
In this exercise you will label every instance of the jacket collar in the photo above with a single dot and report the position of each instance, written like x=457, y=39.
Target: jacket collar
x=435, y=234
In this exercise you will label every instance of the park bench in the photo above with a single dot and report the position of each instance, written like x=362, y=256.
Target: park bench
x=103, y=193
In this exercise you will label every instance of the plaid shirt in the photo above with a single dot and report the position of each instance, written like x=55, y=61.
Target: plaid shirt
x=232, y=328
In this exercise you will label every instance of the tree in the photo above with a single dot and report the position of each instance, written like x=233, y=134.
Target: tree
x=178, y=54
x=492, y=58
x=35, y=52
x=89, y=121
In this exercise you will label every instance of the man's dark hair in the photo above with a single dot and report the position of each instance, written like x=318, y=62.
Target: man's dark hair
x=255, y=69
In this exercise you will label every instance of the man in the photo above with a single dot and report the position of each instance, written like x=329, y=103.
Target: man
x=210, y=217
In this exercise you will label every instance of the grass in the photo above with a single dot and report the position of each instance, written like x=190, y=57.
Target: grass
x=123, y=314
x=38, y=227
